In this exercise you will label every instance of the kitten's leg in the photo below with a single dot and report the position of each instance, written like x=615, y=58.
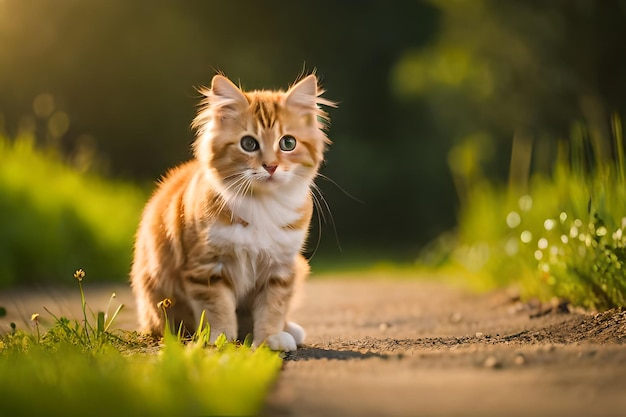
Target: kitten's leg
x=268, y=312
x=302, y=270
x=150, y=318
x=217, y=299
x=271, y=305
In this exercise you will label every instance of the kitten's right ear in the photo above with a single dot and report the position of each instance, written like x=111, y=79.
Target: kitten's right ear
x=226, y=95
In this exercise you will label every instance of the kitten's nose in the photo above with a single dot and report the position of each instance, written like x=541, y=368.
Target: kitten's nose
x=270, y=168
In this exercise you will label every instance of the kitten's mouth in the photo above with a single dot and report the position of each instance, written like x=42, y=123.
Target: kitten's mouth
x=270, y=181
x=267, y=181
x=270, y=177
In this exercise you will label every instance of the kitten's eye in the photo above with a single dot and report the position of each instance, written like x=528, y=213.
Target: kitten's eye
x=249, y=144
x=287, y=143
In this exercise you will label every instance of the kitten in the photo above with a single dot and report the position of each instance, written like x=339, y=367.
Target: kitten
x=224, y=232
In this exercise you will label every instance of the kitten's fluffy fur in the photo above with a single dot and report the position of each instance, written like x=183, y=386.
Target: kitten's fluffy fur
x=223, y=232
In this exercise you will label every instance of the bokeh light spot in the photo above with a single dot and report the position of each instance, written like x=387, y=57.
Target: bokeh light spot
x=58, y=124
x=511, y=247
x=526, y=236
x=525, y=203
x=513, y=219
x=43, y=105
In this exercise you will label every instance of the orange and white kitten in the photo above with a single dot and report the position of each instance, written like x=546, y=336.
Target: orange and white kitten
x=223, y=233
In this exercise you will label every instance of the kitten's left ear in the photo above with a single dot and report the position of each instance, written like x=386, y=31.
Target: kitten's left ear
x=304, y=93
x=226, y=95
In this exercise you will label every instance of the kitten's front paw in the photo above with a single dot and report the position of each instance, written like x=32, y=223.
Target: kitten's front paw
x=295, y=330
x=281, y=341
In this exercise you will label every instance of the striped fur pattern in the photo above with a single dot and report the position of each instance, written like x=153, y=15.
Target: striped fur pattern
x=223, y=233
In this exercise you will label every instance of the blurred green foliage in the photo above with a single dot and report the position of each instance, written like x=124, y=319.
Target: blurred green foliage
x=562, y=234
x=56, y=218
x=419, y=83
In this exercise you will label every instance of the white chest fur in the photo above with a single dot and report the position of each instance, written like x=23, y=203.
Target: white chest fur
x=262, y=244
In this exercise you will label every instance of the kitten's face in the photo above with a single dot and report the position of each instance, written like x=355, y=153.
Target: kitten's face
x=262, y=140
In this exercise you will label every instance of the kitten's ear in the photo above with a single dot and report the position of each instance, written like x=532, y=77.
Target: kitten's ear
x=225, y=94
x=304, y=93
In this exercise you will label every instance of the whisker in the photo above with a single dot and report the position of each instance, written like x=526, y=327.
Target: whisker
x=240, y=191
x=316, y=204
x=324, y=177
x=316, y=200
x=244, y=190
x=232, y=187
x=315, y=187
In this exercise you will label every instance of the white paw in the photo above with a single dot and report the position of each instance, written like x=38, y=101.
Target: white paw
x=281, y=341
x=295, y=330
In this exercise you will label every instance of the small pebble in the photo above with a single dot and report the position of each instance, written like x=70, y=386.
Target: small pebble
x=479, y=334
x=516, y=308
x=492, y=362
x=383, y=326
x=456, y=317
x=519, y=359
x=586, y=354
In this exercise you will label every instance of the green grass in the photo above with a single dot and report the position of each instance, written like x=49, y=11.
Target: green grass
x=54, y=216
x=564, y=236
x=84, y=368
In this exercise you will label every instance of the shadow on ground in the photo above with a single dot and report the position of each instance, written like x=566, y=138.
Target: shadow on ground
x=307, y=353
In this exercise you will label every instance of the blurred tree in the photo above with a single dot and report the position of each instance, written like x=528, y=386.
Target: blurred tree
x=413, y=79
x=124, y=74
x=502, y=66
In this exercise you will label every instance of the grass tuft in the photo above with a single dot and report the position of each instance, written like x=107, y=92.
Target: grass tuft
x=564, y=236
x=82, y=368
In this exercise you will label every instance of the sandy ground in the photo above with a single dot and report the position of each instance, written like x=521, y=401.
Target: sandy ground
x=416, y=348
x=419, y=348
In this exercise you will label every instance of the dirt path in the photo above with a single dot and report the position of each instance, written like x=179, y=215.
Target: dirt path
x=416, y=348
x=421, y=348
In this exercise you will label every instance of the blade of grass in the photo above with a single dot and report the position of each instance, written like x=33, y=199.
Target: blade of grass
x=616, y=124
x=117, y=311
